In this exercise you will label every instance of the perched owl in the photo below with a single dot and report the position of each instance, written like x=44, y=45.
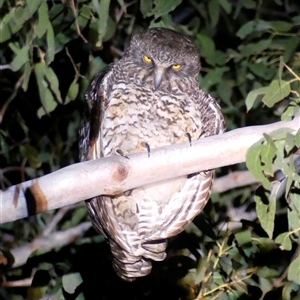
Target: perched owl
x=150, y=97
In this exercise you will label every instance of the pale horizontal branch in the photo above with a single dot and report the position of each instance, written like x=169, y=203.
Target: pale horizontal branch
x=116, y=174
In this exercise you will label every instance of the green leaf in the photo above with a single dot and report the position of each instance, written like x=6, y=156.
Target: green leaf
x=50, y=45
x=72, y=91
x=27, y=73
x=164, y=7
x=289, y=142
x=71, y=282
x=43, y=20
x=146, y=7
x=268, y=154
x=206, y=44
x=265, y=208
x=254, y=164
x=226, y=5
x=46, y=97
x=266, y=272
x=243, y=237
x=294, y=212
x=252, y=97
x=294, y=270
x=281, y=26
x=213, y=77
x=15, y=19
x=288, y=289
x=20, y=59
x=276, y=91
x=53, y=83
x=214, y=12
x=262, y=70
x=251, y=26
x=255, y=48
x=297, y=138
x=100, y=24
x=284, y=240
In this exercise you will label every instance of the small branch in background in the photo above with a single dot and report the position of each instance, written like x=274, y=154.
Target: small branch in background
x=55, y=220
x=56, y=239
x=12, y=96
x=77, y=74
x=26, y=282
x=76, y=21
x=233, y=180
x=4, y=67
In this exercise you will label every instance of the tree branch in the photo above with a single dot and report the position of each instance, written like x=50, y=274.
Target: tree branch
x=116, y=174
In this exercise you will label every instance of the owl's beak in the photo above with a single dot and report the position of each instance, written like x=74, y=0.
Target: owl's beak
x=158, y=75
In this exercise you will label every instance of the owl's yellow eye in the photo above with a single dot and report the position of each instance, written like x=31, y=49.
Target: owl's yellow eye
x=176, y=67
x=147, y=59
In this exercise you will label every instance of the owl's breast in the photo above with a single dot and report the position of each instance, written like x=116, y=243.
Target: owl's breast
x=134, y=116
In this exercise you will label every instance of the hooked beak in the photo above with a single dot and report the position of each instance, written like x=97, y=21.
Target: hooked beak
x=158, y=75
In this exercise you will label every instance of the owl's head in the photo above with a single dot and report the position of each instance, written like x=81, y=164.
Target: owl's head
x=165, y=55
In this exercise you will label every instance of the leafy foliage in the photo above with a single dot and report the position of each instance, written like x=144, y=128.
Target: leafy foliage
x=50, y=51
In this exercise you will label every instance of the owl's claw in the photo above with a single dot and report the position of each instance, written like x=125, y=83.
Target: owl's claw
x=204, y=173
x=147, y=146
x=189, y=137
x=120, y=152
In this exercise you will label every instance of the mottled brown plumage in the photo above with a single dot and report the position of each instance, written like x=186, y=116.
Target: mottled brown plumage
x=151, y=95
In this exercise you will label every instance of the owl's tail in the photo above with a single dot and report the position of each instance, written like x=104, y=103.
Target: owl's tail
x=129, y=267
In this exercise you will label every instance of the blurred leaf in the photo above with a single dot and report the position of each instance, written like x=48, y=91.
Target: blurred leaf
x=72, y=91
x=27, y=73
x=52, y=82
x=164, y=7
x=226, y=5
x=254, y=164
x=50, y=45
x=276, y=91
x=268, y=154
x=266, y=272
x=294, y=212
x=255, y=48
x=100, y=24
x=288, y=290
x=146, y=7
x=214, y=12
x=294, y=270
x=284, y=240
x=265, y=208
x=15, y=19
x=46, y=96
x=243, y=237
x=252, y=97
x=71, y=282
x=297, y=138
x=20, y=59
x=43, y=20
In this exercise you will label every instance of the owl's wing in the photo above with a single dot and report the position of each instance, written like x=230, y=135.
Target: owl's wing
x=183, y=207
x=90, y=146
x=90, y=129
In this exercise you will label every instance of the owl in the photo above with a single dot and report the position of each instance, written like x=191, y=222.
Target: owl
x=149, y=98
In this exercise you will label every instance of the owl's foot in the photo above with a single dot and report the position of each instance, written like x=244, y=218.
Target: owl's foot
x=204, y=173
x=189, y=138
x=121, y=152
x=147, y=146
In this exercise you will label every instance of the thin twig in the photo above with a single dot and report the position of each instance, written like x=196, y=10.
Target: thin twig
x=12, y=96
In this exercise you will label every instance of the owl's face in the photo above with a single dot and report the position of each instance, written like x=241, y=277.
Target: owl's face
x=163, y=56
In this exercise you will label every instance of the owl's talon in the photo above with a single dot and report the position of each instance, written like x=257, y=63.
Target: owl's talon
x=147, y=146
x=190, y=138
x=120, y=152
